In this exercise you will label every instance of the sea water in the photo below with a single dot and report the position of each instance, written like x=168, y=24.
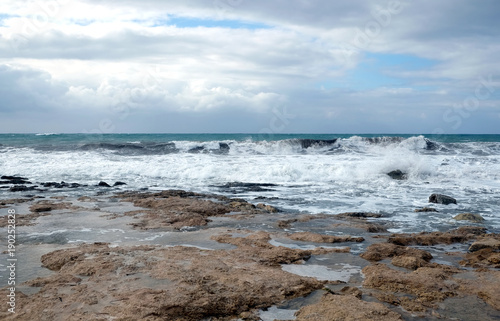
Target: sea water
x=298, y=173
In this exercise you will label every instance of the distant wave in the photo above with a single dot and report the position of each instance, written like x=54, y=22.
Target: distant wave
x=289, y=146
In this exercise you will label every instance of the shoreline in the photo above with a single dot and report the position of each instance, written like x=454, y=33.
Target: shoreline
x=180, y=255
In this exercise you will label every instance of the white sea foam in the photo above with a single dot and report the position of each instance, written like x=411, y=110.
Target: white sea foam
x=316, y=179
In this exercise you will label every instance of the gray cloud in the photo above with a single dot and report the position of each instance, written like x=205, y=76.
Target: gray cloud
x=115, y=65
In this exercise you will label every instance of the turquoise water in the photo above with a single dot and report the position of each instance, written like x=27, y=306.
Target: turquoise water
x=68, y=139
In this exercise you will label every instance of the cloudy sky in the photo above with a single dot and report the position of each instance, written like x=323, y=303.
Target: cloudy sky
x=277, y=66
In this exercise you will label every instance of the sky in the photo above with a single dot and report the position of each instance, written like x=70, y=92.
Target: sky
x=241, y=66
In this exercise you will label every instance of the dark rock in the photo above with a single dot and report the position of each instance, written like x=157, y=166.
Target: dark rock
x=14, y=180
x=426, y=209
x=11, y=178
x=430, y=145
x=240, y=187
x=197, y=149
x=397, y=174
x=306, y=143
x=223, y=146
x=61, y=185
x=119, y=184
x=442, y=199
x=103, y=184
x=21, y=188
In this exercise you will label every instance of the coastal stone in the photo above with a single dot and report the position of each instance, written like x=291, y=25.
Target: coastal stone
x=177, y=209
x=21, y=188
x=119, y=184
x=380, y=251
x=397, y=174
x=306, y=143
x=432, y=238
x=442, y=199
x=491, y=242
x=61, y=185
x=425, y=209
x=184, y=283
x=267, y=208
x=409, y=262
x=346, y=308
x=484, y=258
x=103, y=184
x=469, y=217
x=359, y=215
x=320, y=238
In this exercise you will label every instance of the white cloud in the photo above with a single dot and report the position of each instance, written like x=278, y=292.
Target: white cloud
x=75, y=55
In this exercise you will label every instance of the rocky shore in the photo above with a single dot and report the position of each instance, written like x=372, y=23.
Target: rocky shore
x=211, y=257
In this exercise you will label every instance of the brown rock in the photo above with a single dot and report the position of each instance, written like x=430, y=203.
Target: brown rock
x=380, y=251
x=486, y=243
x=345, y=308
x=426, y=209
x=95, y=282
x=320, y=238
x=358, y=215
x=409, y=262
x=469, y=217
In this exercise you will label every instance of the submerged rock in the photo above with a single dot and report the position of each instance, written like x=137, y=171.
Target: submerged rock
x=469, y=217
x=426, y=209
x=442, y=199
x=21, y=188
x=398, y=175
x=103, y=184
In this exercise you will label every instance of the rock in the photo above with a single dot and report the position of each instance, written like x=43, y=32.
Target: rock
x=61, y=185
x=40, y=208
x=431, y=238
x=267, y=208
x=196, y=150
x=346, y=308
x=103, y=184
x=14, y=180
x=409, y=262
x=158, y=283
x=486, y=243
x=306, y=143
x=320, y=238
x=442, y=199
x=119, y=184
x=469, y=217
x=380, y=251
x=397, y=174
x=359, y=215
x=426, y=209
x=21, y=188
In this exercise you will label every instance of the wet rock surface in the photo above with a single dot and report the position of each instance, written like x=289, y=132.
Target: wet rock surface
x=442, y=199
x=405, y=276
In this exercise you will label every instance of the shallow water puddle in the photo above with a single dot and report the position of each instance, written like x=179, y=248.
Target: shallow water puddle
x=342, y=272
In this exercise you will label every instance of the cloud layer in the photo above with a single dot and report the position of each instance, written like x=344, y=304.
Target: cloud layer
x=239, y=66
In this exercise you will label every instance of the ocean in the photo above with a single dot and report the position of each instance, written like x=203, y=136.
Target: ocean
x=307, y=173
